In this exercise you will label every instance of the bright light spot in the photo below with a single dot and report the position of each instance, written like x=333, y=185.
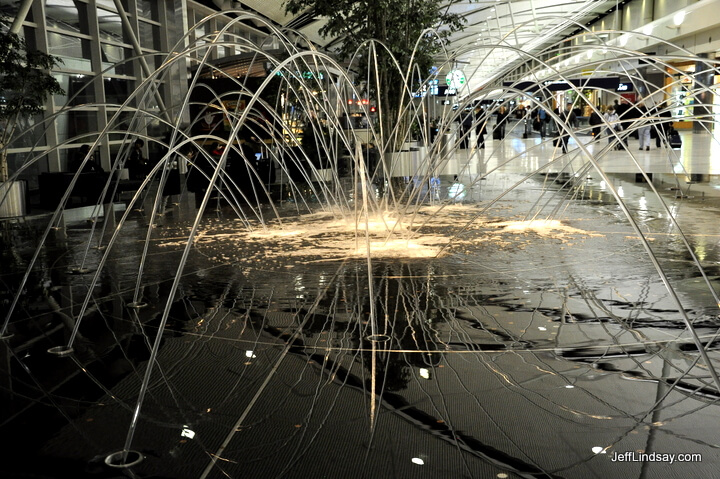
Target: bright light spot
x=598, y=450
x=624, y=39
x=647, y=30
x=590, y=54
x=541, y=227
x=679, y=18
x=542, y=328
x=502, y=475
x=424, y=373
x=188, y=433
x=643, y=203
x=569, y=386
x=418, y=461
x=621, y=192
x=250, y=354
x=603, y=185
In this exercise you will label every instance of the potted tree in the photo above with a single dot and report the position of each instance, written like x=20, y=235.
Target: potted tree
x=25, y=83
x=399, y=25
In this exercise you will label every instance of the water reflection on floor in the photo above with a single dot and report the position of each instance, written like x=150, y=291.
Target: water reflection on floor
x=514, y=353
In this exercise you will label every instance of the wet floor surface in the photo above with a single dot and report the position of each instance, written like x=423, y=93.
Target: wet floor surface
x=516, y=351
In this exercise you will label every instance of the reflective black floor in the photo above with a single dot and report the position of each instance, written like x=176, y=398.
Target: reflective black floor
x=490, y=345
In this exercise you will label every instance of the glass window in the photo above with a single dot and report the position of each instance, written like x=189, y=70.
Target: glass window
x=149, y=36
x=73, y=51
x=148, y=9
x=29, y=34
x=9, y=9
x=202, y=30
x=30, y=131
x=75, y=123
x=106, y=4
x=110, y=26
x=124, y=121
x=117, y=90
x=17, y=160
x=78, y=89
x=114, y=55
x=66, y=15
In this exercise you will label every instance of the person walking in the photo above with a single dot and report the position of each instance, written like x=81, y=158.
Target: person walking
x=466, y=123
x=480, y=127
x=569, y=118
x=502, y=116
x=613, y=124
x=643, y=127
x=595, y=121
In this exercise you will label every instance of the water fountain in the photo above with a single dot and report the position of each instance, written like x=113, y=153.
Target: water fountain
x=450, y=296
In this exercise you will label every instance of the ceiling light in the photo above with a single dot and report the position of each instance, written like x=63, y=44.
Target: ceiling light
x=679, y=18
x=647, y=30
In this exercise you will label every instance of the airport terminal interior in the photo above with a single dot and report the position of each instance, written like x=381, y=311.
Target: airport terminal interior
x=239, y=239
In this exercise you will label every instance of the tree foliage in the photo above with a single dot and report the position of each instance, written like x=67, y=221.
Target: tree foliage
x=398, y=24
x=25, y=83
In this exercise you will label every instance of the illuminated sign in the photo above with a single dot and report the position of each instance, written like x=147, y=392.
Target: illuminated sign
x=623, y=87
x=455, y=79
x=303, y=75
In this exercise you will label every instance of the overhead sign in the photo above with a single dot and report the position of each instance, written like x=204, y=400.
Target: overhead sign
x=455, y=79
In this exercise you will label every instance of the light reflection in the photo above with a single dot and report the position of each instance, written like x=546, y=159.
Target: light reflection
x=187, y=432
x=424, y=373
x=679, y=18
x=250, y=354
x=418, y=461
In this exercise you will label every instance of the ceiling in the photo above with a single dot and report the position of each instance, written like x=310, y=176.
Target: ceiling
x=496, y=30
x=501, y=34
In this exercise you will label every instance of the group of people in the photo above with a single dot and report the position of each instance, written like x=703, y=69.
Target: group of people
x=639, y=119
x=478, y=119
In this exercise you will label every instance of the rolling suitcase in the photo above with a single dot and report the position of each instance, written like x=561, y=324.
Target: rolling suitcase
x=674, y=140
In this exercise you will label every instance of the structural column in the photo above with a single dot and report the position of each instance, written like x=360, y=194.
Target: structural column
x=703, y=97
